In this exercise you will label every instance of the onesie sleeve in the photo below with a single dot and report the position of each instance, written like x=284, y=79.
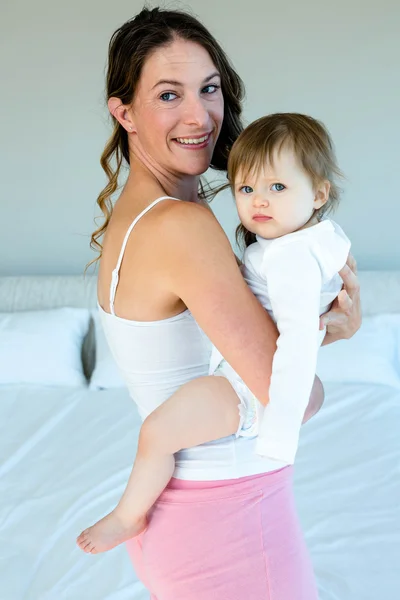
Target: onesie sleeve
x=293, y=278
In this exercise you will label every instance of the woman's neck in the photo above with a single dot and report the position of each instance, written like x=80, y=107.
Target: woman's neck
x=182, y=187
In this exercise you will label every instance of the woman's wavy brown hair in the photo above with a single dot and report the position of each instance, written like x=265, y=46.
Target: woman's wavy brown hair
x=310, y=141
x=130, y=46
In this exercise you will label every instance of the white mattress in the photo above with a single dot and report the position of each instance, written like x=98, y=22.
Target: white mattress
x=66, y=455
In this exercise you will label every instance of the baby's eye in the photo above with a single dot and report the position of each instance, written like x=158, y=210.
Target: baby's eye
x=246, y=189
x=277, y=187
x=166, y=96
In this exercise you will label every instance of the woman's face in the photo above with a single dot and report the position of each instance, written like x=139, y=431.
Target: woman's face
x=178, y=109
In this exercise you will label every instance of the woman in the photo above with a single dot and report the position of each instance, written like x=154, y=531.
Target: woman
x=226, y=526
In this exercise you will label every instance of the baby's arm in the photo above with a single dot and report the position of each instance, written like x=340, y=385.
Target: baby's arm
x=294, y=285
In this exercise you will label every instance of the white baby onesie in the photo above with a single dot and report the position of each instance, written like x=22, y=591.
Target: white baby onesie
x=295, y=277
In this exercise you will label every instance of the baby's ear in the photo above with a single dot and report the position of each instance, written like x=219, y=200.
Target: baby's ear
x=322, y=194
x=121, y=112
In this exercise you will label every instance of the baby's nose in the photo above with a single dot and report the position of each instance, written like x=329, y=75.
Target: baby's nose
x=261, y=201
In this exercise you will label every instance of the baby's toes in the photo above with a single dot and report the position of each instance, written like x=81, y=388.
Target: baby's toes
x=86, y=546
x=85, y=543
x=82, y=536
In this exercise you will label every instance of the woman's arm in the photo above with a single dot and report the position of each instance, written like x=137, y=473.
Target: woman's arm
x=200, y=268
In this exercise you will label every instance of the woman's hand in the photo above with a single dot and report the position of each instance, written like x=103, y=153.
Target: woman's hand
x=344, y=318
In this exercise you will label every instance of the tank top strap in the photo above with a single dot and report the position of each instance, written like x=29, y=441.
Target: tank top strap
x=115, y=273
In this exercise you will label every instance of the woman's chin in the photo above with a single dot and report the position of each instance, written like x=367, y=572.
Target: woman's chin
x=195, y=168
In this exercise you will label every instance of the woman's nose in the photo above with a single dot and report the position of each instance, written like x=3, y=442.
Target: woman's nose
x=196, y=113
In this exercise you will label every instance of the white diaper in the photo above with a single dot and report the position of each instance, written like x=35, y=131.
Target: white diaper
x=250, y=409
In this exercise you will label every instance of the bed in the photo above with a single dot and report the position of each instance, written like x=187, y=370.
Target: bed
x=66, y=450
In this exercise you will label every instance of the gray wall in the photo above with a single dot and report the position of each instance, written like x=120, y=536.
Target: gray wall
x=337, y=61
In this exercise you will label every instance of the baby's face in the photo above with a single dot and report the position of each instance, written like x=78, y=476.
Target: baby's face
x=280, y=199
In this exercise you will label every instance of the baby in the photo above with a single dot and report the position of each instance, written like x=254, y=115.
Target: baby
x=282, y=171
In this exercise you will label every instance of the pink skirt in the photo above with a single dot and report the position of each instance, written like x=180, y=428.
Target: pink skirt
x=225, y=540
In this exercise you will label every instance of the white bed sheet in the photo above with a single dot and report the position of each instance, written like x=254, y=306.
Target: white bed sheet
x=348, y=492
x=65, y=457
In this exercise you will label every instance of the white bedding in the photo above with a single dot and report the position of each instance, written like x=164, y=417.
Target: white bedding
x=65, y=457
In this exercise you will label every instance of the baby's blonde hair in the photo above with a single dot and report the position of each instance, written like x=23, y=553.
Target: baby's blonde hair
x=310, y=141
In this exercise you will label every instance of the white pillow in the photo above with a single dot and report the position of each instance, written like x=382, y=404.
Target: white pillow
x=372, y=355
x=43, y=347
x=105, y=374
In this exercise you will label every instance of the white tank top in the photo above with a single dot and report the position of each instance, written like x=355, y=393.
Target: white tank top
x=155, y=359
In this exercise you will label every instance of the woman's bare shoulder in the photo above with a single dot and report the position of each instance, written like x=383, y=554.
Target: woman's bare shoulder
x=181, y=222
x=180, y=209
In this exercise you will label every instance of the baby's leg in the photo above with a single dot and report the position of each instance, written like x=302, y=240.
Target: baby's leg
x=202, y=410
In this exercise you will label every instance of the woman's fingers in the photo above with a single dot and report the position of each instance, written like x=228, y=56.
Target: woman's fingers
x=335, y=318
x=344, y=318
x=350, y=281
x=345, y=302
x=352, y=263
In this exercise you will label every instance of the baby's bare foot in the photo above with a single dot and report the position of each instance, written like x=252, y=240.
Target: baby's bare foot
x=109, y=532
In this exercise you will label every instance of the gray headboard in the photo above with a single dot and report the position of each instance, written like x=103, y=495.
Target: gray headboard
x=47, y=291
x=380, y=292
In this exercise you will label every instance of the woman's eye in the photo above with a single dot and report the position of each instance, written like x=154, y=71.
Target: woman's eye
x=166, y=96
x=246, y=189
x=210, y=89
x=277, y=187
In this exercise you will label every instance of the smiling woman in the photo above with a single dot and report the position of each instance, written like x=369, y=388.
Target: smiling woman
x=182, y=111
x=226, y=526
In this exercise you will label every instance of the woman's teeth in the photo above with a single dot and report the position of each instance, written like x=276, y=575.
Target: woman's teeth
x=192, y=140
